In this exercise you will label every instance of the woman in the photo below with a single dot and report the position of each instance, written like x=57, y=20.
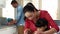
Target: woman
x=32, y=15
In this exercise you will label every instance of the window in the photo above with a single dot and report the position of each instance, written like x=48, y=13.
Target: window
x=8, y=11
x=51, y=6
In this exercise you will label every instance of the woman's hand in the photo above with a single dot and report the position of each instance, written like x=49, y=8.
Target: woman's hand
x=27, y=31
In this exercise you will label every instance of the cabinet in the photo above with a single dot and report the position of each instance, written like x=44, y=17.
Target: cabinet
x=2, y=3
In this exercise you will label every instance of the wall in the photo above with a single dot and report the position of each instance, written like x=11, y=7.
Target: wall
x=20, y=2
x=58, y=13
x=40, y=4
x=0, y=12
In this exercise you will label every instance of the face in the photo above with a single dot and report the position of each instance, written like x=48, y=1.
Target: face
x=15, y=5
x=30, y=15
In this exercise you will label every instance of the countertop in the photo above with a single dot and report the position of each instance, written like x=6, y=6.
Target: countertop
x=8, y=29
x=5, y=26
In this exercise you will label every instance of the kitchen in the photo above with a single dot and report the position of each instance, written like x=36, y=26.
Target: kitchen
x=52, y=6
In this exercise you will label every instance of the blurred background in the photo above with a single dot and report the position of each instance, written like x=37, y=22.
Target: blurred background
x=52, y=6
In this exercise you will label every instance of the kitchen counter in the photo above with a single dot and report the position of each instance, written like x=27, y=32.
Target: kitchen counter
x=8, y=29
x=5, y=26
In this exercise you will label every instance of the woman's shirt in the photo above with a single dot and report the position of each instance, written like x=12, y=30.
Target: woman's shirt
x=43, y=14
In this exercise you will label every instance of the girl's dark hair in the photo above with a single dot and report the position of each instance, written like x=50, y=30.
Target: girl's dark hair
x=41, y=22
x=29, y=8
x=13, y=2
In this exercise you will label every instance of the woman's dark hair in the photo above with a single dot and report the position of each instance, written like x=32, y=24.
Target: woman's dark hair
x=30, y=4
x=29, y=8
x=13, y=2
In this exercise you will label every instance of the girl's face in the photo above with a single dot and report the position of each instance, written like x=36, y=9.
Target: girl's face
x=30, y=15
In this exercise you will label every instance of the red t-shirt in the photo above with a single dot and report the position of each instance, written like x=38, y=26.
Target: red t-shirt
x=43, y=14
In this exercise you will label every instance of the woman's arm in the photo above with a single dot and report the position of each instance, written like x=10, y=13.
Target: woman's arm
x=51, y=31
x=26, y=27
x=54, y=27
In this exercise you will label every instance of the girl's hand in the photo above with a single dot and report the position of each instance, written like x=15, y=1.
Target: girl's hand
x=51, y=31
x=39, y=32
x=36, y=32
